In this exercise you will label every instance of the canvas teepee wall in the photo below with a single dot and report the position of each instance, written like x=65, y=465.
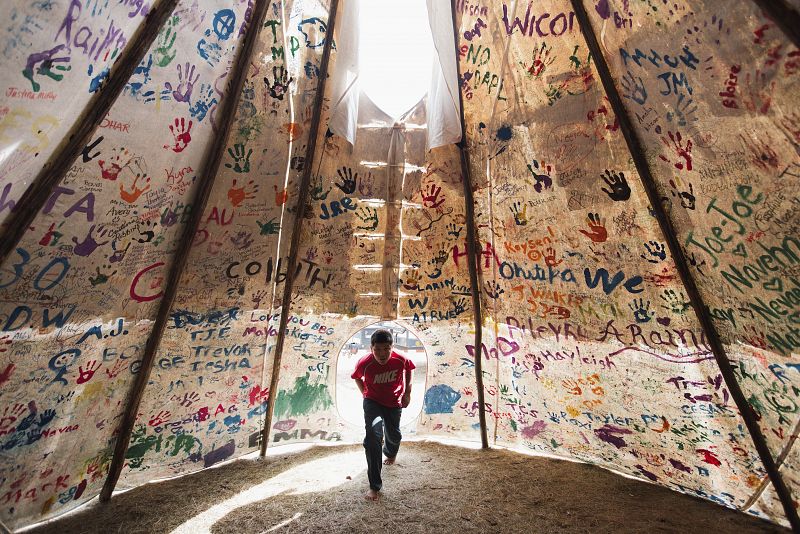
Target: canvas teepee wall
x=591, y=345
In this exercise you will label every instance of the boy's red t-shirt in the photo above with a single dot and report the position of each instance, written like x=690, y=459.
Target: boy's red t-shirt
x=384, y=383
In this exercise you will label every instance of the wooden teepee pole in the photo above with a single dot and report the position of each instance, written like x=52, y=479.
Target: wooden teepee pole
x=472, y=250
x=60, y=161
x=700, y=309
x=294, y=244
x=209, y=172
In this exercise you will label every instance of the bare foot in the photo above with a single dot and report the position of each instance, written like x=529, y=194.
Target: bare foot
x=372, y=495
x=388, y=461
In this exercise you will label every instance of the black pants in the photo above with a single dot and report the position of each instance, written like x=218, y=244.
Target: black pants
x=376, y=418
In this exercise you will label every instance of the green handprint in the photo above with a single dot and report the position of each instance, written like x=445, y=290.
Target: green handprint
x=369, y=216
x=47, y=59
x=241, y=161
x=166, y=39
x=317, y=192
x=270, y=227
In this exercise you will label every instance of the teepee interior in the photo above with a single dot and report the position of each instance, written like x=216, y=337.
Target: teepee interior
x=578, y=217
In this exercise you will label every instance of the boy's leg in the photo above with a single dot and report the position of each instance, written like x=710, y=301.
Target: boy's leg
x=373, y=426
x=391, y=422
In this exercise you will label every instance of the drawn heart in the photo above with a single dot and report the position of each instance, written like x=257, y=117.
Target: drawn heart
x=740, y=250
x=663, y=321
x=774, y=285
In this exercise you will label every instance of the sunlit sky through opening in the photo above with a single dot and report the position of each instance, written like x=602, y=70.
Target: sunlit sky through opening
x=396, y=53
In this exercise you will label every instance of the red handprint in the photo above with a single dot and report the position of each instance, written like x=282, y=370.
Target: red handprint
x=10, y=415
x=681, y=150
x=84, y=375
x=119, y=366
x=160, y=418
x=430, y=196
x=6, y=374
x=181, y=135
x=550, y=257
x=281, y=196
x=109, y=170
x=237, y=195
x=598, y=232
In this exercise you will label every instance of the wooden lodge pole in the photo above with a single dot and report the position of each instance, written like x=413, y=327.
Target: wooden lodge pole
x=294, y=244
x=648, y=182
x=70, y=148
x=209, y=172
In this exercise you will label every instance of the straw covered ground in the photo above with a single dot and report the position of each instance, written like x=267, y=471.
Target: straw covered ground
x=432, y=488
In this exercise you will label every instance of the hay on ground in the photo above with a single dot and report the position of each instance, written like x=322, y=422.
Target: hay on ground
x=432, y=487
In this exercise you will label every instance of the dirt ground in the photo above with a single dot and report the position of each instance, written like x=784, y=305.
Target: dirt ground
x=432, y=488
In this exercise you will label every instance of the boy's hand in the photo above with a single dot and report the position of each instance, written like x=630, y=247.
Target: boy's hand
x=406, y=400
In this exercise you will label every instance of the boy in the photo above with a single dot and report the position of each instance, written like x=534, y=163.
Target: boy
x=384, y=379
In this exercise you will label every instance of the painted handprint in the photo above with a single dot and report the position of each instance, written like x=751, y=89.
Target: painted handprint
x=257, y=297
x=281, y=195
x=697, y=264
x=132, y=195
x=520, y=212
x=459, y=306
x=620, y=190
x=88, y=245
x=675, y=302
x=540, y=60
x=101, y=278
x=317, y=192
x=186, y=81
x=633, y=89
x=241, y=160
x=686, y=197
x=10, y=415
x=758, y=94
x=160, y=418
x=237, y=195
x=542, y=179
x=454, y=230
x=656, y=252
x=205, y=101
x=47, y=59
x=550, y=257
x=369, y=218
x=430, y=196
x=682, y=151
x=685, y=109
x=270, y=227
x=763, y=156
x=348, y=185
x=365, y=185
x=493, y=289
x=641, y=310
x=597, y=230
x=164, y=53
x=280, y=85
x=210, y=51
x=84, y=375
x=110, y=169
x=181, y=135
x=5, y=374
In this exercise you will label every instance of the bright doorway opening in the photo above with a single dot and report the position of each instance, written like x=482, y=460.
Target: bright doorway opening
x=348, y=398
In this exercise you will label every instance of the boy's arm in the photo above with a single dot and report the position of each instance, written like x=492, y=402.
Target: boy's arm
x=406, y=400
x=360, y=384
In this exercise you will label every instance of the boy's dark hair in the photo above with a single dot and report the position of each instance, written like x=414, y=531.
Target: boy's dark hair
x=381, y=336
